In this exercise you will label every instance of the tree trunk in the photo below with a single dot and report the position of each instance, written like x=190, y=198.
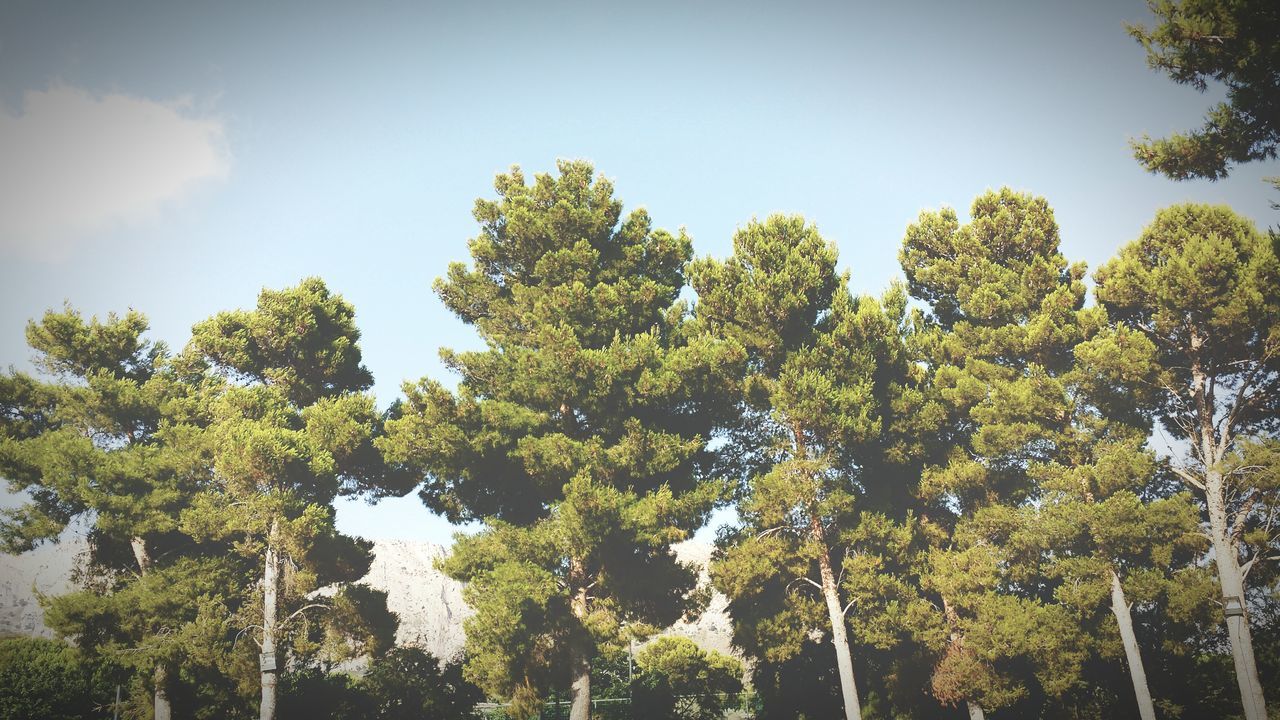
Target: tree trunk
x=161, y=708
x=975, y=710
x=270, y=595
x=1232, y=582
x=1120, y=608
x=580, y=663
x=839, y=636
x=1226, y=555
x=140, y=555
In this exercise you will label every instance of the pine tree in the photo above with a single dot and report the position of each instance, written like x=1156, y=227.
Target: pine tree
x=1006, y=311
x=106, y=437
x=289, y=426
x=816, y=400
x=1202, y=285
x=579, y=435
x=1233, y=44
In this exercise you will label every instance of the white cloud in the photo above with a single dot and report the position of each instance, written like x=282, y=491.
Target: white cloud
x=72, y=163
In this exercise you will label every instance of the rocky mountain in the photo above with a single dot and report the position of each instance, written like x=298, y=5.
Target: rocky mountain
x=711, y=629
x=428, y=603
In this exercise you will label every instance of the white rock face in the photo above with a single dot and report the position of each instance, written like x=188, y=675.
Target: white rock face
x=48, y=570
x=428, y=603
x=432, y=611
x=711, y=629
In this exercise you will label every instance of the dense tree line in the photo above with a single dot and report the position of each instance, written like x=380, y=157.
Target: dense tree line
x=979, y=491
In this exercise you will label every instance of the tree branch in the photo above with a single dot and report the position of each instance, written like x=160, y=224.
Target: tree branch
x=300, y=610
x=1187, y=477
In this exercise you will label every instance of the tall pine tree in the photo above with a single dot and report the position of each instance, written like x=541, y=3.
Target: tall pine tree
x=579, y=435
x=1006, y=309
x=289, y=426
x=816, y=399
x=105, y=435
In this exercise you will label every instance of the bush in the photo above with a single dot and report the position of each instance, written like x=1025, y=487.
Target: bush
x=677, y=680
x=408, y=684
x=49, y=679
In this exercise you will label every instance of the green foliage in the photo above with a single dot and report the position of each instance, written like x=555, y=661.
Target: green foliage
x=1201, y=286
x=820, y=432
x=580, y=434
x=313, y=693
x=101, y=434
x=167, y=616
x=1227, y=42
x=1196, y=273
x=408, y=683
x=51, y=680
x=804, y=685
x=959, y=487
x=677, y=680
x=404, y=683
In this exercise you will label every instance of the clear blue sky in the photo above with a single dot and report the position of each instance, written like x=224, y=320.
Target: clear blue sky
x=177, y=157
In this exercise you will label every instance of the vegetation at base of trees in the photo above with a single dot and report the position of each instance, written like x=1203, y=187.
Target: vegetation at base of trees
x=52, y=680
x=409, y=683
x=677, y=680
x=406, y=683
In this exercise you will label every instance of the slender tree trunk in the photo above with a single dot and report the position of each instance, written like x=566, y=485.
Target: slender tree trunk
x=1137, y=673
x=1226, y=555
x=839, y=636
x=270, y=596
x=580, y=705
x=1232, y=581
x=975, y=710
x=162, y=709
x=140, y=555
x=831, y=594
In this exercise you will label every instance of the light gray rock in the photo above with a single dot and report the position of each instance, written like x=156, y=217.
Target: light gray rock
x=428, y=602
x=48, y=570
x=711, y=629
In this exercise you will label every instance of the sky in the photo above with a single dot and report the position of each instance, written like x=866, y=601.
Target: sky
x=176, y=158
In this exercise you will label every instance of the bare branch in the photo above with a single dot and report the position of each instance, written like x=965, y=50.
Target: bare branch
x=1187, y=477
x=301, y=610
x=804, y=579
x=245, y=630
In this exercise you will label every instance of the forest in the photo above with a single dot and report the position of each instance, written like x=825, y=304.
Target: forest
x=1007, y=485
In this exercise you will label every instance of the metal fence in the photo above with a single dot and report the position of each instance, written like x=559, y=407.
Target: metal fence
x=742, y=706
